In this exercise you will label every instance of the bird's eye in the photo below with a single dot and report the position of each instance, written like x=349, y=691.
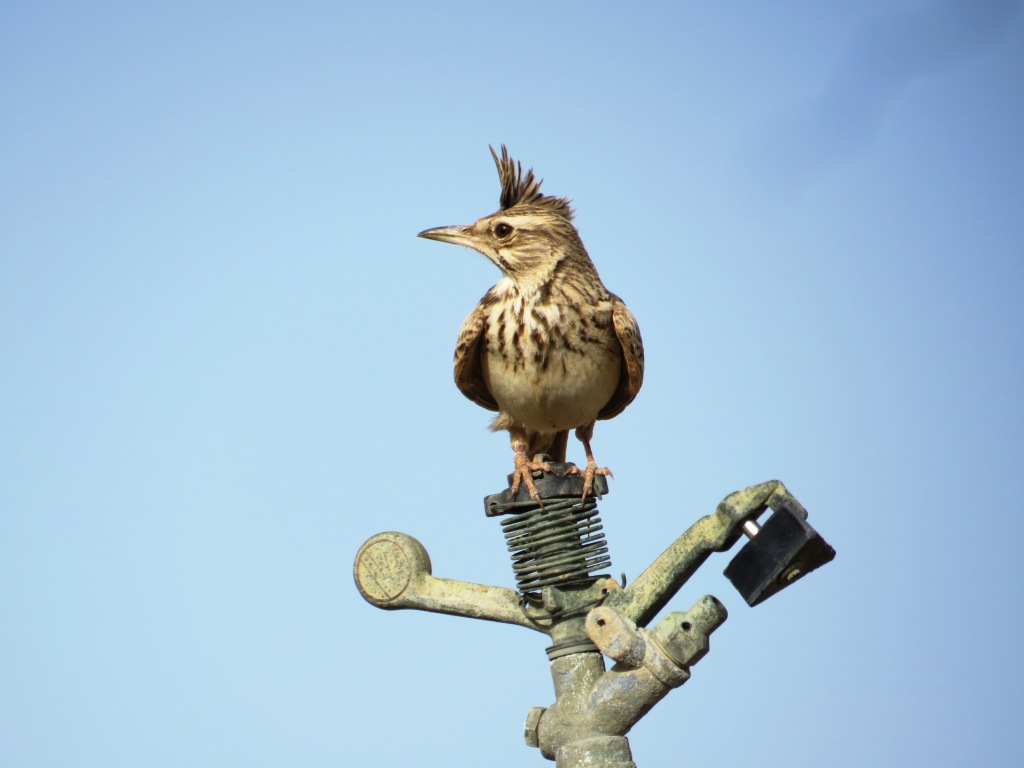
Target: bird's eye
x=502, y=230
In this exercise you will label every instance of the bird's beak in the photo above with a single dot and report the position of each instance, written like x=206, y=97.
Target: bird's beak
x=459, y=235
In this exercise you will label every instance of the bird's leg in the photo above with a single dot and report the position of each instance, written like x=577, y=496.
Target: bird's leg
x=583, y=434
x=525, y=466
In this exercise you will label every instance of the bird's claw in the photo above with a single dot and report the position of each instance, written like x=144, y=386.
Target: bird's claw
x=589, y=474
x=523, y=473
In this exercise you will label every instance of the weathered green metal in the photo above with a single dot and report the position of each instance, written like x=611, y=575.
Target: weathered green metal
x=594, y=709
x=392, y=571
x=587, y=618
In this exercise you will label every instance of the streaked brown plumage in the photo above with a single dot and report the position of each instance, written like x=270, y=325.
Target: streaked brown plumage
x=548, y=347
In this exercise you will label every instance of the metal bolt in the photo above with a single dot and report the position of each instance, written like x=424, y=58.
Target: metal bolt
x=532, y=724
x=792, y=573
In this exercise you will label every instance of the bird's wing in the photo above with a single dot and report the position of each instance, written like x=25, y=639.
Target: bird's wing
x=468, y=376
x=631, y=376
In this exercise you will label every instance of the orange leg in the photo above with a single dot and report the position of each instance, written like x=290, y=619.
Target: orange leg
x=525, y=467
x=583, y=434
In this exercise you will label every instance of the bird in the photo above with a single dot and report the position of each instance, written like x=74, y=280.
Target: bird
x=548, y=346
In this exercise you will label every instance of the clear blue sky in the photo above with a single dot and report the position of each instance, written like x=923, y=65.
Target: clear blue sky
x=225, y=362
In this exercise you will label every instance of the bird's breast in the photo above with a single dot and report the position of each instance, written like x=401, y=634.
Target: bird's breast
x=548, y=366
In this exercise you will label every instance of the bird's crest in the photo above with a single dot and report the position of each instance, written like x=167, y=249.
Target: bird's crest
x=520, y=190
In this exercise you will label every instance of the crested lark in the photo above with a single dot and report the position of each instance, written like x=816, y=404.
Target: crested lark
x=548, y=347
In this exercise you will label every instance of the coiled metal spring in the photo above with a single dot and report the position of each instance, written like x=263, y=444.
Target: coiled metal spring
x=559, y=544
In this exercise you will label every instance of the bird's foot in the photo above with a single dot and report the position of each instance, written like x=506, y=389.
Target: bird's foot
x=523, y=473
x=589, y=474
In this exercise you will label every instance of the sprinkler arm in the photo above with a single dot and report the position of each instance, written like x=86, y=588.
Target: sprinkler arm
x=716, y=532
x=393, y=571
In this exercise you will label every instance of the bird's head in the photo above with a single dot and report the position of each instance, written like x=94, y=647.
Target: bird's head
x=528, y=236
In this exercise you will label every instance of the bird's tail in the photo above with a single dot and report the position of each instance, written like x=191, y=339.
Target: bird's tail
x=553, y=445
